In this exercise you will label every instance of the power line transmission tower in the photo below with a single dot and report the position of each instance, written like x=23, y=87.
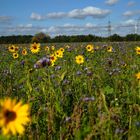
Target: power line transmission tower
x=109, y=28
x=136, y=28
x=138, y=25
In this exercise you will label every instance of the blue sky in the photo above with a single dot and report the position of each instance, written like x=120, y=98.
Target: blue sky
x=58, y=17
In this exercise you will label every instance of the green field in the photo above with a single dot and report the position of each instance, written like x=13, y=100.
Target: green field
x=96, y=100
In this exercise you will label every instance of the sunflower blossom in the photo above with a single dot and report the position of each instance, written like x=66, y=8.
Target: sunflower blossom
x=24, y=52
x=53, y=58
x=89, y=48
x=52, y=48
x=138, y=50
x=109, y=49
x=79, y=59
x=11, y=48
x=138, y=75
x=35, y=48
x=15, y=55
x=13, y=116
x=59, y=54
x=47, y=49
x=62, y=50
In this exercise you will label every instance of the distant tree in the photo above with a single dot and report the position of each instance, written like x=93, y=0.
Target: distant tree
x=132, y=37
x=18, y=39
x=41, y=38
x=116, y=37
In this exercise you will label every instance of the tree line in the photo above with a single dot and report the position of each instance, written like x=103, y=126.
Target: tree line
x=43, y=38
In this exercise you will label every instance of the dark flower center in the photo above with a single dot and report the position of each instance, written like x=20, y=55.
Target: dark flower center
x=30, y=70
x=35, y=47
x=52, y=58
x=10, y=116
x=16, y=49
x=15, y=55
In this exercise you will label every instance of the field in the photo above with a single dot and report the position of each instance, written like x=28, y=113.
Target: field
x=96, y=97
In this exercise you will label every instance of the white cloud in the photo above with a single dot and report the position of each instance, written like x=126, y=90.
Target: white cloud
x=36, y=16
x=131, y=3
x=67, y=29
x=89, y=11
x=111, y=2
x=5, y=19
x=129, y=22
x=128, y=13
x=71, y=29
x=25, y=26
x=68, y=25
x=29, y=25
x=56, y=15
x=20, y=29
x=89, y=25
x=52, y=29
x=131, y=13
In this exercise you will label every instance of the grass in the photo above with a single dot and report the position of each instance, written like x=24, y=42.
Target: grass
x=99, y=99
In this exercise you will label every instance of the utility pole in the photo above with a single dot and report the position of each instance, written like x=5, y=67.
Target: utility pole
x=109, y=28
x=136, y=28
x=138, y=25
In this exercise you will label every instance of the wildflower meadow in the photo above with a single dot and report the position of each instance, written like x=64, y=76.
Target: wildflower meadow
x=70, y=91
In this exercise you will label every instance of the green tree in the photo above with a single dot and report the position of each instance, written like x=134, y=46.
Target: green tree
x=41, y=38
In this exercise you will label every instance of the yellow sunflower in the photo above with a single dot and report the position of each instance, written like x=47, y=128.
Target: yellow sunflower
x=47, y=48
x=52, y=48
x=62, y=50
x=53, y=58
x=35, y=48
x=24, y=52
x=11, y=48
x=109, y=49
x=30, y=70
x=138, y=76
x=13, y=116
x=52, y=63
x=97, y=47
x=138, y=50
x=79, y=59
x=124, y=65
x=89, y=48
x=58, y=53
x=67, y=46
x=15, y=55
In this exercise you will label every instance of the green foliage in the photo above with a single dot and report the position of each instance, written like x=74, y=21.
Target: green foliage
x=40, y=38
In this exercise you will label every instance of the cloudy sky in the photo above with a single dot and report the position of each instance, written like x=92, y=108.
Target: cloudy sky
x=58, y=17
